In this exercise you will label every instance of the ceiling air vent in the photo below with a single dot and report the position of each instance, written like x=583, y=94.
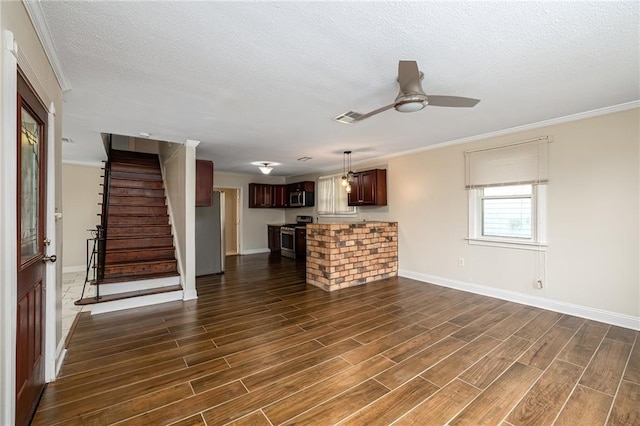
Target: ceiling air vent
x=347, y=117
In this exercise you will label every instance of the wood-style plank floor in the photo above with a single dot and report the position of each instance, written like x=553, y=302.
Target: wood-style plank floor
x=260, y=347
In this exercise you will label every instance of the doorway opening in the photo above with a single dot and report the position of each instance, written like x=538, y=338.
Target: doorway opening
x=232, y=220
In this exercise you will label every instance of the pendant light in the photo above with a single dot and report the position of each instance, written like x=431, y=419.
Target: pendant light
x=343, y=179
x=347, y=176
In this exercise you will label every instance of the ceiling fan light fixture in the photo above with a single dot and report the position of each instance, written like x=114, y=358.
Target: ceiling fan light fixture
x=410, y=103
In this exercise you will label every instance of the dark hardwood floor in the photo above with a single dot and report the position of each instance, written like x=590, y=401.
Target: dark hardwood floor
x=260, y=347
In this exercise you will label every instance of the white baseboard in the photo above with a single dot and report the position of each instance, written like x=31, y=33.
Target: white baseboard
x=595, y=314
x=61, y=352
x=79, y=268
x=135, y=302
x=256, y=251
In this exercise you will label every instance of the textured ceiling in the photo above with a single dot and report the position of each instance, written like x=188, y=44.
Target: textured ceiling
x=261, y=81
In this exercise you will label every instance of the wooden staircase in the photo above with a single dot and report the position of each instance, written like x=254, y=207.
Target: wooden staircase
x=139, y=256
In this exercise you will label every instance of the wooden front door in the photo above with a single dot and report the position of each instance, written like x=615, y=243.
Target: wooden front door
x=31, y=173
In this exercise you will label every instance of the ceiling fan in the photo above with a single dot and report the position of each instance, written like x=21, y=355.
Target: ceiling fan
x=411, y=97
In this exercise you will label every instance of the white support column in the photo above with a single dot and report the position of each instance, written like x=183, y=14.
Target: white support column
x=190, y=222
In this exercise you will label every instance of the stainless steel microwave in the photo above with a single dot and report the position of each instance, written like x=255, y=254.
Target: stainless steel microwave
x=297, y=199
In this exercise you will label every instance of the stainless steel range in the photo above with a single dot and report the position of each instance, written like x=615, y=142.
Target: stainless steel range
x=288, y=235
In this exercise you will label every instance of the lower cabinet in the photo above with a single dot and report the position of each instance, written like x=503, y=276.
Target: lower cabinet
x=301, y=243
x=273, y=235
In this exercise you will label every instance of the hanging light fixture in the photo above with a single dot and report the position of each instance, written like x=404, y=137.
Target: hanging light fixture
x=350, y=172
x=265, y=168
x=344, y=180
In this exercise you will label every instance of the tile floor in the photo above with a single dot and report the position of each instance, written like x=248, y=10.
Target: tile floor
x=72, y=283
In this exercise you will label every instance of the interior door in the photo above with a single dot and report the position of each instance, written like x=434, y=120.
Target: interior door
x=31, y=167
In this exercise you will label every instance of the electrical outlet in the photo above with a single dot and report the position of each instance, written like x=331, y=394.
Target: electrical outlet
x=539, y=283
x=461, y=261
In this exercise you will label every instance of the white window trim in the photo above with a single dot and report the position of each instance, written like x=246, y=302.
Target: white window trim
x=538, y=242
x=333, y=214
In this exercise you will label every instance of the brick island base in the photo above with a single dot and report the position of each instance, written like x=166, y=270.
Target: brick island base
x=348, y=254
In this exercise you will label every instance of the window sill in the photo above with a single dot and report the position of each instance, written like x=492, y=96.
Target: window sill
x=350, y=215
x=521, y=245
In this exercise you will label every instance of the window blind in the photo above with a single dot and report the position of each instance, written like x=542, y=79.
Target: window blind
x=521, y=163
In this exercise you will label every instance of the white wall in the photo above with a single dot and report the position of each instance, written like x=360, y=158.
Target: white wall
x=81, y=205
x=253, y=222
x=593, y=211
x=178, y=166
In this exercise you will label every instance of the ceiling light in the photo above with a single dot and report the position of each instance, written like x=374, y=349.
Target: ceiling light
x=410, y=103
x=144, y=134
x=265, y=168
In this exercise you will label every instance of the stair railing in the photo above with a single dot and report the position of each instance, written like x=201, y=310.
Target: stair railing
x=102, y=240
x=93, y=254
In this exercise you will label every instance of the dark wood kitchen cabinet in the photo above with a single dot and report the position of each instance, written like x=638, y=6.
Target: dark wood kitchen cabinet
x=204, y=183
x=307, y=186
x=260, y=195
x=369, y=188
x=273, y=234
x=279, y=196
x=301, y=243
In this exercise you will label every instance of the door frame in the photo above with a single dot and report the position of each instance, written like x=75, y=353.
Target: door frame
x=238, y=212
x=12, y=58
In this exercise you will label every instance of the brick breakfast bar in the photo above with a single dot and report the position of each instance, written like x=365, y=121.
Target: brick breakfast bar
x=341, y=255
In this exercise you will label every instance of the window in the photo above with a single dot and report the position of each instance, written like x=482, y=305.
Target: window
x=333, y=198
x=507, y=195
x=507, y=211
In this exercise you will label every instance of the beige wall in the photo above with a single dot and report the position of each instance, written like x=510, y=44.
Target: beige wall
x=253, y=222
x=593, y=210
x=80, y=202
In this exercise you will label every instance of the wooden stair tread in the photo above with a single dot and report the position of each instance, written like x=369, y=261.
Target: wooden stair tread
x=144, y=225
x=117, y=280
x=142, y=262
x=158, y=248
x=127, y=295
x=137, y=237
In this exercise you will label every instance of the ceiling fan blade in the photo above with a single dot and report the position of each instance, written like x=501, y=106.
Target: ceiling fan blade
x=452, y=101
x=409, y=77
x=374, y=112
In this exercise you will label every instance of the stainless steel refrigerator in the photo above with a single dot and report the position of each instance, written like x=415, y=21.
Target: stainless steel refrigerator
x=210, y=237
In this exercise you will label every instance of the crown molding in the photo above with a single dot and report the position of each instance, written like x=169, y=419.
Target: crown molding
x=34, y=10
x=531, y=126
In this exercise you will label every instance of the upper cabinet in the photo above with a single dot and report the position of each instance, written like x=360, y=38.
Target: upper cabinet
x=299, y=194
x=279, y=196
x=204, y=183
x=369, y=188
x=260, y=195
